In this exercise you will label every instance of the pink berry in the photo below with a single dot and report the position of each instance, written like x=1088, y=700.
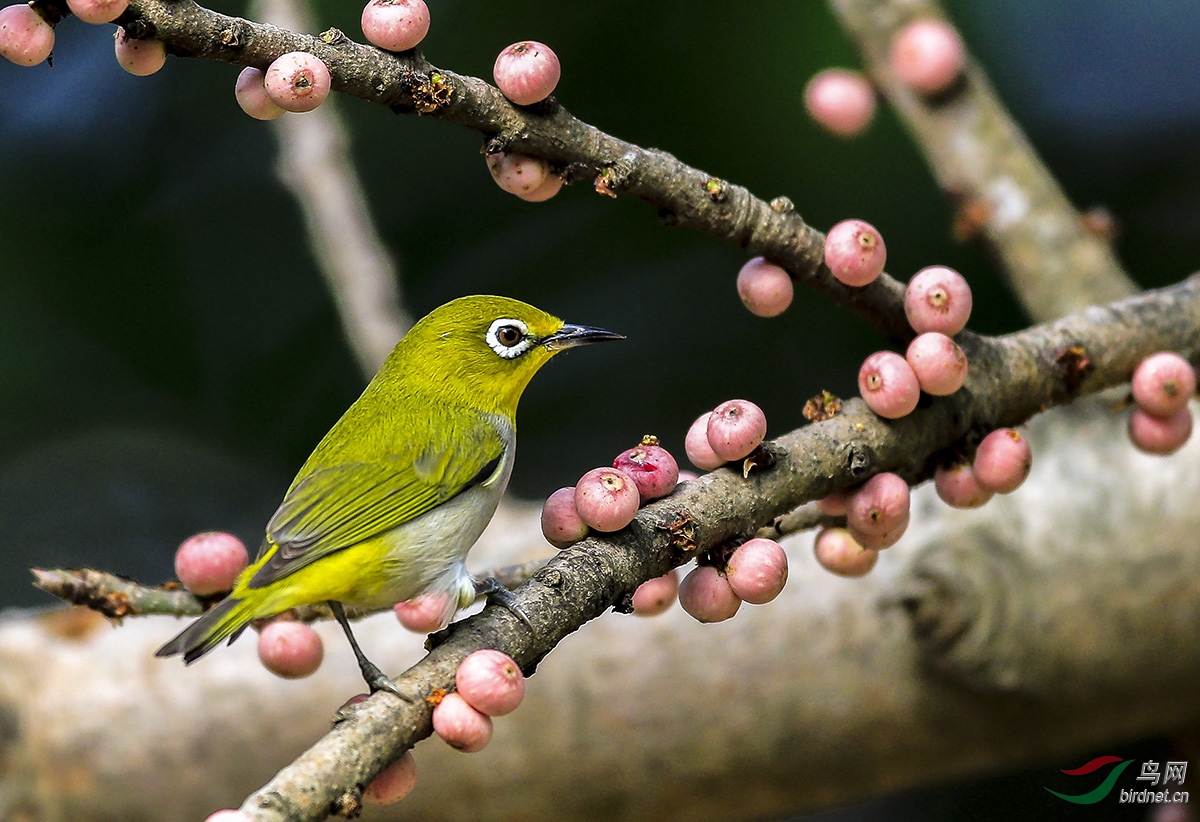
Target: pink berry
x=426, y=613
x=394, y=782
x=1158, y=435
x=697, y=447
x=290, y=649
x=527, y=72
x=938, y=362
x=833, y=505
x=297, y=81
x=209, y=563
x=227, y=815
x=928, y=55
x=765, y=288
x=1002, y=461
x=855, y=252
x=937, y=299
x=97, y=11
x=25, y=37
x=757, y=571
x=840, y=100
x=889, y=385
x=707, y=596
x=1163, y=383
x=958, y=487
x=653, y=469
x=491, y=682
x=561, y=524
x=460, y=725
x=252, y=95
x=549, y=187
x=688, y=476
x=139, y=57
x=735, y=428
x=395, y=25
x=657, y=595
x=878, y=505
x=606, y=499
x=518, y=174
x=838, y=552
x=886, y=539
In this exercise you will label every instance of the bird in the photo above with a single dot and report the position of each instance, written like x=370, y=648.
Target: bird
x=391, y=500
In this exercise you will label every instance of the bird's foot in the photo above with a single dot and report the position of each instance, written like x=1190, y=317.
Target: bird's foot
x=499, y=595
x=377, y=680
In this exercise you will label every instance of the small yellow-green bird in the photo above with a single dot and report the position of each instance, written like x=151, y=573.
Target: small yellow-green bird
x=392, y=499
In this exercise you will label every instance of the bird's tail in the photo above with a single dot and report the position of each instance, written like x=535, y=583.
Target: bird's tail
x=227, y=618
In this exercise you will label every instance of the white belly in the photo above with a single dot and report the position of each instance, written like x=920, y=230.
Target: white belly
x=428, y=554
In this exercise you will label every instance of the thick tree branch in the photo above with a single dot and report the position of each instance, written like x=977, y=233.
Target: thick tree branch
x=1093, y=630
x=407, y=83
x=980, y=156
x=1022, y=374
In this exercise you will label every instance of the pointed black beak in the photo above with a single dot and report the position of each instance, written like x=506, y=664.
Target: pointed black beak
x=570, y=336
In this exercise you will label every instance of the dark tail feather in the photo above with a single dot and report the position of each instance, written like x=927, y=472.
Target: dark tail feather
x=225, y=619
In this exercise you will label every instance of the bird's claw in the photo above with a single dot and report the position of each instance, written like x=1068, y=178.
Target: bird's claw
x=499, y=595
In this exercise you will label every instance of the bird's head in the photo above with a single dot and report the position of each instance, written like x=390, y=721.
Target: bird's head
x=488, y=347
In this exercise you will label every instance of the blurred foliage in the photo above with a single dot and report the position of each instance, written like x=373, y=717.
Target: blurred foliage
x=168, y=353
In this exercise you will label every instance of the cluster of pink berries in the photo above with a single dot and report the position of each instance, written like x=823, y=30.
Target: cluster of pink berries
x=1162, y=385
x=877, y=514
x=854, y=253
x=27, y=39
x=209, y=564
x=729, y=432
x=488, y=683
x=607, y=499
x=757, y=570
x=1002, y=462
x=937, y=303
x=927, y=55
x=526, y=73
x=296, y=81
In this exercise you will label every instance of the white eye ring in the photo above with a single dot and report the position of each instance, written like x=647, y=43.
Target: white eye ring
x=508, y=351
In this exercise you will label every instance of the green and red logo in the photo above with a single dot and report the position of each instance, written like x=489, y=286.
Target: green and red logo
x=1104, y=788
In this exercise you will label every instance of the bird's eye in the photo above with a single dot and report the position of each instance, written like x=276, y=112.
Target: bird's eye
x=509, y=338
x=509, y=335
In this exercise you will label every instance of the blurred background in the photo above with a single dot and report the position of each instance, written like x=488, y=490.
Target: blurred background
x=169, y=353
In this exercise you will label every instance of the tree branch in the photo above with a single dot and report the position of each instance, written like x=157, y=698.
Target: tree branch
x=409, y=84
x=980, y=157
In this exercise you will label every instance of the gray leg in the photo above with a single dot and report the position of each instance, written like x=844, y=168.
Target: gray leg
x=375, y=678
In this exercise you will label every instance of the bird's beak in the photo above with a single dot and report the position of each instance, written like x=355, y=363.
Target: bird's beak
x=570, y=336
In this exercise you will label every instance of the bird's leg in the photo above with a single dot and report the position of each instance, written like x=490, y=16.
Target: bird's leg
x=376, y=680
x=498, y=594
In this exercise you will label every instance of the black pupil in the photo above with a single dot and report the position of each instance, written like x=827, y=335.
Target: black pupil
x=509, y=335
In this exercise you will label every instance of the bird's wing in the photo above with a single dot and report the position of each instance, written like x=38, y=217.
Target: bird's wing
x=337, y=506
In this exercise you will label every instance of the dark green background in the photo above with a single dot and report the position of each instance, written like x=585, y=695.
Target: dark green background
x=168, y=354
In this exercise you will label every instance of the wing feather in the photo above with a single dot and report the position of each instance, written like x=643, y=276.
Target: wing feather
x=335, y=506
